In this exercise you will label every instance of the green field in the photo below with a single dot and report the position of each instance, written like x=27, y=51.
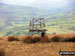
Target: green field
x=14, y=20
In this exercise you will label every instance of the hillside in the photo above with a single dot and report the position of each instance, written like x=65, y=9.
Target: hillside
x=14, y=20
x=18, y=47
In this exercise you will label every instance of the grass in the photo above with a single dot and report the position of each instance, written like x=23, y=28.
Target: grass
x=58, y=26
x=28, y=39
x=70, y=39
x=45, y=39
x=1, y=38
x=31, y=39
x=2, y=52
x=12, y=38
x=61, y=39
x=36, y=47
x=56, y=39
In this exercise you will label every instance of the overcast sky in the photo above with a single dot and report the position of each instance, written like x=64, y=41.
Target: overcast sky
x=38, y=3
x=19, y=2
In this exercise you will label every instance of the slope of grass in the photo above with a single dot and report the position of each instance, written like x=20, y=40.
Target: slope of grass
x=19, y=48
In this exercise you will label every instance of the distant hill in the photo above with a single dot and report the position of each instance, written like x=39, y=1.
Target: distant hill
x=14, y=20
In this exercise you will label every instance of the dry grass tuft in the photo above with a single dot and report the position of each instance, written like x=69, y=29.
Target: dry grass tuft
x=2, y=52
x=12, y=38
x=72, y=39
x=35, y=39
x=30, y=39
x=57, y=39
x=27, y=39
x=45, y=39
x=33, y=48
x=62, y=39
x=1, y=38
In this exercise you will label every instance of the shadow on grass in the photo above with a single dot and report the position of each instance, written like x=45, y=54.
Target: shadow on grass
x=62, y=39
x=70, y=39
x=2, y=52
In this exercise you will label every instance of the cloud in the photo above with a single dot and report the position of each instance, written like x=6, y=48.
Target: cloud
x=51, y=3
x=0, y=1
x=39, y=3
x=19, y=2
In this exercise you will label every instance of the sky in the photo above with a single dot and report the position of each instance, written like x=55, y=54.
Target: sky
x=39, y=3
x=19, y=2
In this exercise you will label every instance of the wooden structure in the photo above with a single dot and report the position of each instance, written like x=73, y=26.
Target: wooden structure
x=67, y=53
x=37, y=26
